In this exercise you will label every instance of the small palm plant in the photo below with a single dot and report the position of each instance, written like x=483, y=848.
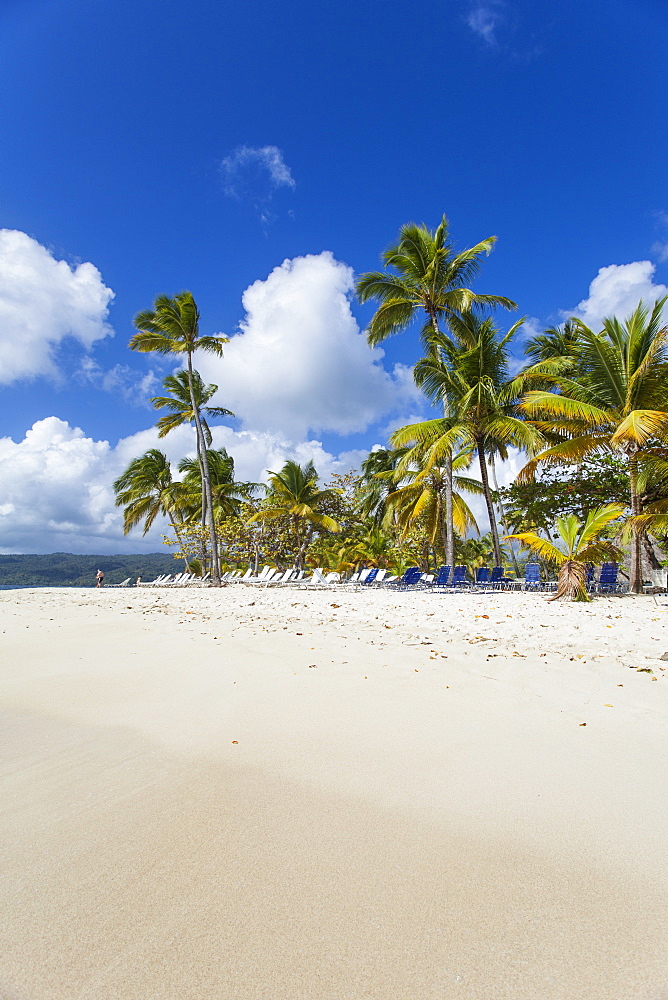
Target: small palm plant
x=583, y=543
x=294, y=499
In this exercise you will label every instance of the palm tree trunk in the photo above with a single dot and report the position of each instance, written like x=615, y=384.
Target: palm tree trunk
x=502, y=512
x=449, y=518
x=215, y=561
x=480, y=447
x=443, y=528
x=449, y=509
x=202, y=547
x=636, y=581
x=301, y=552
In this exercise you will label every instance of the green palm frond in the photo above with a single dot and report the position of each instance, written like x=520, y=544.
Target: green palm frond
x=599, y=519
x=537, y=402
x=546, y=550
x=566, y=453
x=641, y=426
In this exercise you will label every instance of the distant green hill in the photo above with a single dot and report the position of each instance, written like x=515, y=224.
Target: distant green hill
x=64, y=569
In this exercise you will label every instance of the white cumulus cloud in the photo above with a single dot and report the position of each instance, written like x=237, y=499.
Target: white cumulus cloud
x=300, y=363
x=299, y=367
x=56, y=484
x=616, y=291
x=43, y=301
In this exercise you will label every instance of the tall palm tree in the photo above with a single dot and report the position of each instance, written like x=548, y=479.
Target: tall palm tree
x=615, y=400
x=179, y=405
x=582, y=543
x=147, y=491
x=424, y=275
x=294, y=497
x=172, y=328
x=427, y=276
x=469, y=371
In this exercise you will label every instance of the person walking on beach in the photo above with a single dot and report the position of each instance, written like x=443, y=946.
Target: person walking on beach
x=99, y=576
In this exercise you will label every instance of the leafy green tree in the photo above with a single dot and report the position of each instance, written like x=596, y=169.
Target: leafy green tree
x=615, y=400
x=294, y=498
x=424, y=276
x=534, y=505
x=476, y=552
x=374, y=548
x=147, y=491
x=582, y=543
x=172, y=328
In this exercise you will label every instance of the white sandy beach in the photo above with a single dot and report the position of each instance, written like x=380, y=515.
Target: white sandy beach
x=248, y=794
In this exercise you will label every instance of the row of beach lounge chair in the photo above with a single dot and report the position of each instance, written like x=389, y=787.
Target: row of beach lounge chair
x=495, y=579
x=180, y=580
x=447, y=578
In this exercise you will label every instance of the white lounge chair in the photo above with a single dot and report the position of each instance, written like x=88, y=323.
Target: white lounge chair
x=319, y=580
x=279, y=578
x=267, y=572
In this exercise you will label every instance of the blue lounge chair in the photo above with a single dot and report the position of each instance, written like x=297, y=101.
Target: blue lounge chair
x=482, y=576
x=371, y=576
x=590, y=578
x=497, y=579
x=532, y=580
x=442, y=577
x=607, y=581
x=411, y=578
x=459, y=577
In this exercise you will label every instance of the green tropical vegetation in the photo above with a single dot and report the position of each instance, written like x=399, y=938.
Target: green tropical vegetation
x=587, y=415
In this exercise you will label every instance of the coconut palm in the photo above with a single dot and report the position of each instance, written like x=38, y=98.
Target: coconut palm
x=421, y=495
x=582, y=543
x=616, y=400
x=374, y=548
x=147, y=491
x=172, y=328
x=227, y=495
x=427, y=276
x=555, y=342
x=179, y=405
x=294, y=497
x=424, y=275
x=469, y=372
x=375, y=488
x=476, y=552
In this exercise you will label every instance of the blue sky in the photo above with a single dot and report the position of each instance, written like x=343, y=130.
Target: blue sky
x=261, y=154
